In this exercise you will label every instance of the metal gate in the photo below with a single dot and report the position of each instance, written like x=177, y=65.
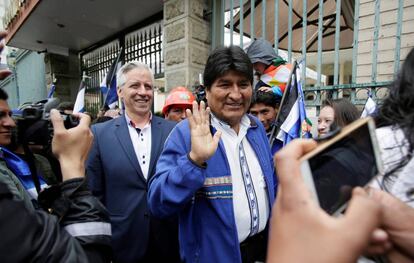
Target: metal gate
x=144, y=44
x=330, y=35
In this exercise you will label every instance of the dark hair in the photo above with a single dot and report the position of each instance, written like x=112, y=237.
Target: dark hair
x=3, y=94
x=225, y=59
x=398, y=107
x=65, y=105
x=345, y=112
x=266, y=98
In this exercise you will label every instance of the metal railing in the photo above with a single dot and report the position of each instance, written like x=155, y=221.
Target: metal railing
x=319, y=31
x=95, y=65
x=144, y=44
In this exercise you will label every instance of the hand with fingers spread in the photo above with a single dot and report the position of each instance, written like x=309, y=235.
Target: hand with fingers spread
x=203, y=143
x=301, y=231
x=71, y=147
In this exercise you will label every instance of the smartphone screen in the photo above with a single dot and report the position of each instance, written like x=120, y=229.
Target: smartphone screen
x=336, y=170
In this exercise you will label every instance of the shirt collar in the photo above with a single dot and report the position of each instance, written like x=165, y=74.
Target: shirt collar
x=132, y=124
x=217, y=123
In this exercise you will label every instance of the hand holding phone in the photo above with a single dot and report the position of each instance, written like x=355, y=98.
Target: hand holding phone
x=300, y=231
x=351, y=158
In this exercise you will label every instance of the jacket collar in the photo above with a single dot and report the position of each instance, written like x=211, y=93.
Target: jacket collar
x=253, y=123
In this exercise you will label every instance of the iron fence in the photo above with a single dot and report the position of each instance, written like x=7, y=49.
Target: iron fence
x=339, y=41
x=144, y=44
x=95, y=65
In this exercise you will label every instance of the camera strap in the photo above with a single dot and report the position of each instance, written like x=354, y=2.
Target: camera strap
x=32, y=166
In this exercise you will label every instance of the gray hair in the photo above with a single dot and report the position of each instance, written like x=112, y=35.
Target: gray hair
x=120, y=75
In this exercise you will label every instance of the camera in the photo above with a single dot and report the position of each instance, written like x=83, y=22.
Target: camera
x=200, y=92
x=33, y=122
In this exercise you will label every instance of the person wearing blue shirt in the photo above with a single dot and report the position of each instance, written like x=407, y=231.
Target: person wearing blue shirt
x=216, y=170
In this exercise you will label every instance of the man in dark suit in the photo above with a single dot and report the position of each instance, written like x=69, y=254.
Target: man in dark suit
x=121, y=162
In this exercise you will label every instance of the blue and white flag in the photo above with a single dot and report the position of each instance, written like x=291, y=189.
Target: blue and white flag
x=80, y=98
x=111, y=98
x=51, y=91
x=294, y=123
x=370, y=107
x=109, y=85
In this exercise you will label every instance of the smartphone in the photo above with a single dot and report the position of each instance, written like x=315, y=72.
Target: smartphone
x=350, y=158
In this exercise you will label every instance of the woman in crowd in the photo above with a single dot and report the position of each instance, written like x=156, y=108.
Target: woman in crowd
x=395, y=133
x=395, y=122
x=336, y=113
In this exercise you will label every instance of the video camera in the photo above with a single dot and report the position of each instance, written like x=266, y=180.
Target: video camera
x=200, y=92
x=33, y=122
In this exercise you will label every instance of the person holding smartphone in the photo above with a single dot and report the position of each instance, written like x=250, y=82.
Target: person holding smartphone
x=395, y=129
x=300, y=231
x=395, y=122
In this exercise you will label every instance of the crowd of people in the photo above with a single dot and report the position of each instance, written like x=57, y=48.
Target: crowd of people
x=203, y=184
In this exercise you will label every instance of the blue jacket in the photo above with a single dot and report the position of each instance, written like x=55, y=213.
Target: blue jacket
x=202, y=197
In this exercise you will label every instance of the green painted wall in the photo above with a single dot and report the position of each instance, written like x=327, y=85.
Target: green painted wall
x=30, y=75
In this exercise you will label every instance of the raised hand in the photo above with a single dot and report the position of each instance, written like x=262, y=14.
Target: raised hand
x=203, y=144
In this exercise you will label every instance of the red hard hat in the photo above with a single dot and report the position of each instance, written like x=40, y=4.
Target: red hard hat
x=178, y=96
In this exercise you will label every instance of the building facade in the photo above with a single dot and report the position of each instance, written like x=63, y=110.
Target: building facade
x=350, y=47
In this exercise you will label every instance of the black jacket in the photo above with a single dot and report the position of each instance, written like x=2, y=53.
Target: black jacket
x=75, y=230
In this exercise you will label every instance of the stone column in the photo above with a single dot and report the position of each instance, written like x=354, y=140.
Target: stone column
x=187, y=40
x=65, y=69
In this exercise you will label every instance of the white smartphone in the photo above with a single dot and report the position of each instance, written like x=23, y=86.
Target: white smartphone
x=350, y=158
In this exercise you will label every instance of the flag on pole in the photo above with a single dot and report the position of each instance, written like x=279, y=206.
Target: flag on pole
x=51, y=91
x=111, y=98
x=108, y=84
x=370, y=107
x=80, y=98
x=292, y=117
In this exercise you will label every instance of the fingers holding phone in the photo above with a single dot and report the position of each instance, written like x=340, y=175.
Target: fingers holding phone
x=301, y=231
x=349, y=159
